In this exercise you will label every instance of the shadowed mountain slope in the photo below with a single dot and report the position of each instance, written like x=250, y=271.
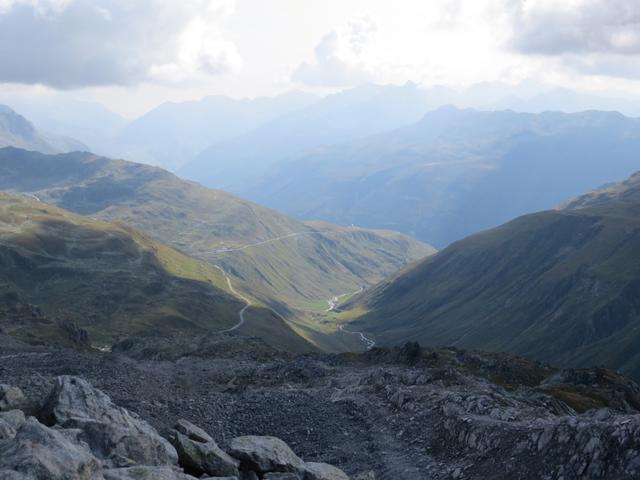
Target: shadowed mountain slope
x=560, y=285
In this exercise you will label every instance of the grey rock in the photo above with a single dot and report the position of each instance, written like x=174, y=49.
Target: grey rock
x=145, y=473
x=248, y=476
x=11, y=398
x=282, y=476
x=10, y=422
x=265, y=454
x=193, y=432
x=13, y=475
x=323, y=471
x=365, y=476
x=7, y=431
x=42, y=453
x=15, y=418
x=114, y=434
x=199, y=458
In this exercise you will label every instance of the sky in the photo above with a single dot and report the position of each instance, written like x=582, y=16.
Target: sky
x=132, y=55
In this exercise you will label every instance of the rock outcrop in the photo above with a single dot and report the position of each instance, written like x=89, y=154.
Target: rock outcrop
x=85, y=436
x=41, y=453
x=114, y=434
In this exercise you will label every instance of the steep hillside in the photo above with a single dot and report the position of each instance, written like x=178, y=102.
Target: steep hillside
x=448, y=176
x=62, y=274
x=237, y=164
x=560, y=285
x=17, y=131
x=286, y=263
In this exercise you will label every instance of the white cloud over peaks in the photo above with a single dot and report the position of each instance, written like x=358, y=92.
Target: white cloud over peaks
x=551, y=27
x=344, y=56
x=593, y=37
x=79, y=43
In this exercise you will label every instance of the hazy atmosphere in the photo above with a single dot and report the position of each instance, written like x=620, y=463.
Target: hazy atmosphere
x=133, y=56
x=319, y=240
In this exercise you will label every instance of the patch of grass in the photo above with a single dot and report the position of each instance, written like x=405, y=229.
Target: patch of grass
x=580, y=401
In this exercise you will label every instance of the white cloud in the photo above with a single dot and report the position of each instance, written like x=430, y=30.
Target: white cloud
x=592, y=37
x=577, y=26
x=79, y=43
x=343, y=57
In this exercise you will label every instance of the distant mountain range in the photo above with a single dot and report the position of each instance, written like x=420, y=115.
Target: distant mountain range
x=174, y=133
x=286, y=264
x=235, y=165
x=17, y=131
x=560, y=285
x=451, y=174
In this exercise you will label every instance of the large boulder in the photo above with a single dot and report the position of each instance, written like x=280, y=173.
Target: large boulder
x=41, y=453
x=199, y=454
x=115, y=435
x=323, y=471
x=265, y=454
x=11, y=398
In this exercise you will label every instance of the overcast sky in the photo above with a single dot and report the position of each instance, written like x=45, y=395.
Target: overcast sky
x=134, y=54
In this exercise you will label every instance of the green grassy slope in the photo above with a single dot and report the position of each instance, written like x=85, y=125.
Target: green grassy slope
x=308, y=267
x=107, y=279
x=562, y=286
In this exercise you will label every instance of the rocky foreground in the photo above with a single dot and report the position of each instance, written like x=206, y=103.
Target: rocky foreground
x=405, y=413
x=81, y=435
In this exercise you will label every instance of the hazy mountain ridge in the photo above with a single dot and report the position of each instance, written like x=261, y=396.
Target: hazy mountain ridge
x=559, y=285
x=453, y=173
x=17, y=131
x=236, y=164
x=173, y=133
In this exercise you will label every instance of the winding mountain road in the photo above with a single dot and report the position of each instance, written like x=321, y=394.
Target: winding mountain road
x=368, y=343
x=240, y=296
x=333, y=303
x=265, y=242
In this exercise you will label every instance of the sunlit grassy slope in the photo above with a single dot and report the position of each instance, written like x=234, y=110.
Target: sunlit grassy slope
x=108, y=279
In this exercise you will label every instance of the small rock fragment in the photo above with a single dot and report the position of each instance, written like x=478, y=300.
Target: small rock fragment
x=11, y=398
